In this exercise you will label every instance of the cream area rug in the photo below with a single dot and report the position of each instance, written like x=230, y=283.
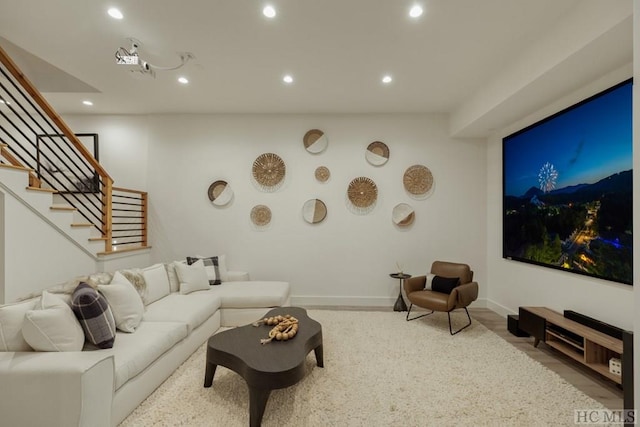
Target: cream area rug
x=381, y=370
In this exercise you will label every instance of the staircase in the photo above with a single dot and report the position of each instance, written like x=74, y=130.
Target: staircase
x=46, y=167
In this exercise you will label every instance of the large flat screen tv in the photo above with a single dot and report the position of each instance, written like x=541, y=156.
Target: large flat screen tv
x=567, y=189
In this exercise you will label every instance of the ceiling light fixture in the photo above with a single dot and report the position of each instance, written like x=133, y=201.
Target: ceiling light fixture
x=288, y=79
x=115, y=13
x=387, y=79
x=269, y=11
x=183, y=80
x=416, y=11
x=88, y=103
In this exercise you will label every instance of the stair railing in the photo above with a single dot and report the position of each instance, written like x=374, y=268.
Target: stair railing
x=34, y=136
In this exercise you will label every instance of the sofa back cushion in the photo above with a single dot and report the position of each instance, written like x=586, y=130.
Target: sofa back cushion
x=95, y=316
x=157, y=283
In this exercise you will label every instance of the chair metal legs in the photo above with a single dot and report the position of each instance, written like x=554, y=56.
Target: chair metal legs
x=448, y=315
x=464, y=327
x=417, y=317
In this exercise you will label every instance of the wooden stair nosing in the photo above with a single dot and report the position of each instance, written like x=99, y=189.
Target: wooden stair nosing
x=45, y=190
x=140, y=248
x=63, y=208
x=97, y=239
x=81, y=224
x=20, y=168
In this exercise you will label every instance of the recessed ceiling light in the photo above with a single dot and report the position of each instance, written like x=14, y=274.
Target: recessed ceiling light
x=269, y=11
x=115, y=13
x=288, y=78
x=415, y=11
x=183, y=80
x=89, y=103
x=387, y=79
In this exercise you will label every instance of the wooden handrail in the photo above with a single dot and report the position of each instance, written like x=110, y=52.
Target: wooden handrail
x=39, y=99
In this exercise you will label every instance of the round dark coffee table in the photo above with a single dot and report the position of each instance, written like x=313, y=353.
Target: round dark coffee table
x=265, y=367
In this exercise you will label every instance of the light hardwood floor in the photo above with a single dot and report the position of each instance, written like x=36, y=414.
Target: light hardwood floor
x=584, y=379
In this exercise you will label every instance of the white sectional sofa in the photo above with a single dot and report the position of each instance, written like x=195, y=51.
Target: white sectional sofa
x=101, y=387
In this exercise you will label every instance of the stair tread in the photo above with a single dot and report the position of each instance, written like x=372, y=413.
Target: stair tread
x=95, y=239
x=46, y=190
x=139, y=248
x=62, y=208
x=82, y=224
x=20, y=168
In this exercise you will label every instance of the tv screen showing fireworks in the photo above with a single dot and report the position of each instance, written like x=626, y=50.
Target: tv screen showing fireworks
x=567, y=189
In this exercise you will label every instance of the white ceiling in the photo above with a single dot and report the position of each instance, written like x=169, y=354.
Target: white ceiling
x=337, y=51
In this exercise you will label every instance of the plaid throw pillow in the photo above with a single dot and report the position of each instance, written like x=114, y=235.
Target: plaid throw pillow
x=95, y=316
x=211, y=266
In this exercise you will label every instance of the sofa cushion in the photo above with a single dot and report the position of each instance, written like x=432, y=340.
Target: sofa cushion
x=125, y=302
x=192, y=309
x=253, y=294
x=157, y=282
x=52, y=326
x=135, y=276
x=174, y=281
x=192, y=277
x=11, y=321
x=133, y=353
x=95, y=316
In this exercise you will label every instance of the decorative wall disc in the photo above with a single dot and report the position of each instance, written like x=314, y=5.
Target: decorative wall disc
x=322, y=173
x=261, y=215
x=403, y=215
x=314, y=211
x=377, y=153
x=268, y=171
x=315, y=141
x=417, y=180
x=220, y=193
x=362, y=192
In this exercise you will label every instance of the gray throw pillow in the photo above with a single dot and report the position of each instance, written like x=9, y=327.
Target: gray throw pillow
x=95, y=316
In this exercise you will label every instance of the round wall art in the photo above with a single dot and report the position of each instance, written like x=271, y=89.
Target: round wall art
x=322, y=173
x=261, y=215
x=220, y=193
x=314, y=211
x=268, y=171
x=362, y=193
x=403, y=215
x=417, y=180
x=377, y=153
x=315, y=141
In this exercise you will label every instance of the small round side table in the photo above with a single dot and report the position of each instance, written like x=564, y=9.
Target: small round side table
x=400, y=305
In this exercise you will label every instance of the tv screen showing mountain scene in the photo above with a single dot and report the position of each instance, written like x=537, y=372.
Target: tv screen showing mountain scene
x=567, y=189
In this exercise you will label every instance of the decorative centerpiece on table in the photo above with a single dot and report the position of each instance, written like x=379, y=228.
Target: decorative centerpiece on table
x=284, y=328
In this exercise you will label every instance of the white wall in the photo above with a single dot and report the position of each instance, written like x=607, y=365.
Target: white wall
x=344, y=260
x=36, y=256
x=514, y=284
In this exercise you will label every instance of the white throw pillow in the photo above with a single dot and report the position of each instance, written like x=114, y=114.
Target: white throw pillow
x=192, y=277
x=427, y=285
x=11, y=320
x=125, y=302
x=54, y=327
x=157, y=283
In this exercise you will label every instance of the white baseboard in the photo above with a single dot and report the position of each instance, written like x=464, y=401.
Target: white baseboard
x=499, y=308
x=362, y=301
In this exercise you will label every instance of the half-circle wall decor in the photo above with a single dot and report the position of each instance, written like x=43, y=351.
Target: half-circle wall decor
x=220, y=193
x=269, y=171
x=403, y=215
x=377, y=153
x=314, y=211
x=322, y=173
x=261, y=215
x=417, y=180
x=315, y=141
x=362, y=194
